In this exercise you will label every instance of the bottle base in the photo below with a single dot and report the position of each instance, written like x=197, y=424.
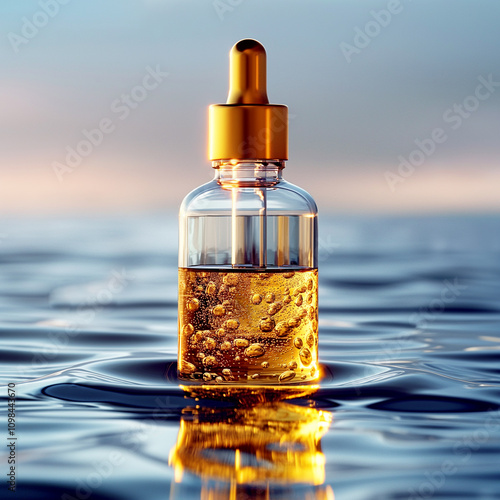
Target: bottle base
x=249, y=394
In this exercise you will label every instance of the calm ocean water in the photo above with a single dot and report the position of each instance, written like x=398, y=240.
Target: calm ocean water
x=408, y=406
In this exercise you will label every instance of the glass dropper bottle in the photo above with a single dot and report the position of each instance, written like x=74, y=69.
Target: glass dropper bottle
x=248, y=277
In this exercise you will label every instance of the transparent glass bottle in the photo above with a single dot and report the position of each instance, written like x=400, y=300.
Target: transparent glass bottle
x=248, y=278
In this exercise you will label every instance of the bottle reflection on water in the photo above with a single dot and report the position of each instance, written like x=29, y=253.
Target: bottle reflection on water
x=268, y=451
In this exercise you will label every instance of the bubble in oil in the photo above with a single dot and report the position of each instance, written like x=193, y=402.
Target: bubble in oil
x=241, y=342
x=254, y=351
x=274, y=308
x=256, y=299
x=282, y=329
x=286, y=376
x=209, y=344
x=267, y=324
x=232, y=324
x=310, y=339
x=188, y=329
x=197, y=337
x=193, y=305
x=219, y=310
x=188, y=367
x=305, y=356
x=210, y=361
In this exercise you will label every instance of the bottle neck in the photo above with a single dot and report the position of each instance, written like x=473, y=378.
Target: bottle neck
x=230, y=173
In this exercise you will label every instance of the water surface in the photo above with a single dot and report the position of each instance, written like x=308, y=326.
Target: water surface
x=408, y=404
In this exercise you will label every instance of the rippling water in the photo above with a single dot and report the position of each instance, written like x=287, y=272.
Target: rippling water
x=408, y=404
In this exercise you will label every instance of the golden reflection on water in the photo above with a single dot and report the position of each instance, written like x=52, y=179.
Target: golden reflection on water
x=261, y=451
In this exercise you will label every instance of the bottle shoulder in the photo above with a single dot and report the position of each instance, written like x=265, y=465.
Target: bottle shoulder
x=296, y=197
x=208, y=193
x=281, y=198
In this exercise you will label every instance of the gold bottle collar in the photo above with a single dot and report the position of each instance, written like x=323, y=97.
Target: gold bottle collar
x=247, y=127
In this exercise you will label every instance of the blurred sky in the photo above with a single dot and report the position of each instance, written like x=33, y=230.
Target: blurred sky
x=363, y=81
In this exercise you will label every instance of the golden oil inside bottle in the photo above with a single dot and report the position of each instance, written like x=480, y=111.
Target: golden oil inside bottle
x=240, y=327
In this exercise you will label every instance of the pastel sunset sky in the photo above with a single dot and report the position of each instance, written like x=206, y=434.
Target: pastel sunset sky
x=394, y=105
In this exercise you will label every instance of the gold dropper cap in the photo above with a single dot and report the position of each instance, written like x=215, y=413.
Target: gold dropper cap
x=247, y=127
